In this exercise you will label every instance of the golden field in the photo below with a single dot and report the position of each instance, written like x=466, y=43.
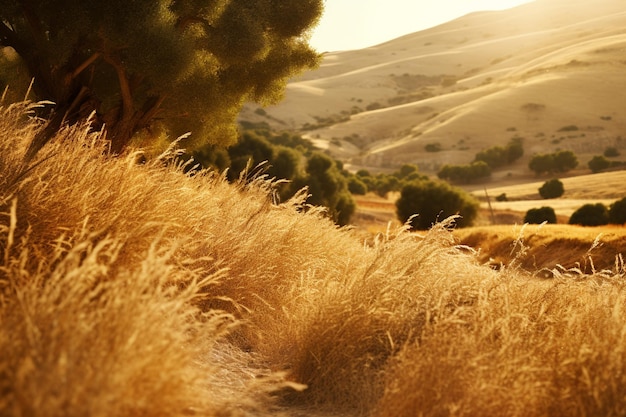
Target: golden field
x=131, y=289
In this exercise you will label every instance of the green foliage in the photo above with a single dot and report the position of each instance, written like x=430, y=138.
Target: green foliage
x=433, y=147
x=190, y=64
x=552, y=189
x=434, y=201
x=541, y=163
x=498, y=156
x=565, y=161
x=328, y=187
x=356, y=186
x=327, y=184
x=617, y=212
x=252, y=149
x=406, y=170
x=611, y=152
x=598, y=163
x=590, y=215
x=561, y=161
x=465, y=173
x=540, y=215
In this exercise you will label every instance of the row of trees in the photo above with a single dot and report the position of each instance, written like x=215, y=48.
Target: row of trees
x=562, y=161
x=286, y=157
x=587, y=215
x=484, y=162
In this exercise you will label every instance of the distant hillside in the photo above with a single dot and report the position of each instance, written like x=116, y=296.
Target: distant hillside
x=550, y=72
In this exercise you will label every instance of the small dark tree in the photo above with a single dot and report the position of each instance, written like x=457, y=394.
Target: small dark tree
x=502, y=197
x=434, y=201
x=590, y=215
x=384, y=184
x=356, y=186
x=598, y=164
x=541, y=163
x=252, y=149
x=406, y=170
x=327, y=187
x=617, y=212
x=611, y=152
x=540, y=215
x=552, y=189
x=565, y=161
x=515, y=149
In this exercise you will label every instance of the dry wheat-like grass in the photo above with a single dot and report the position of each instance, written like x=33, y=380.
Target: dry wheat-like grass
x=136, y=289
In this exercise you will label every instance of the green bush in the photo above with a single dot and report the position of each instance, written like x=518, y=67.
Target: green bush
x=561, y=161
x=433, y=147
x=433, y=201
x=551, y=189
x=498, y=156
x=617, y=212
x=611, y=152
x=590, y=215
x=540, y=215
x=465, y=173
x=598, y=163
x=356, y=186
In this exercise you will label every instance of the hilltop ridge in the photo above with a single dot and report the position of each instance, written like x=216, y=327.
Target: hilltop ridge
x=545, y=71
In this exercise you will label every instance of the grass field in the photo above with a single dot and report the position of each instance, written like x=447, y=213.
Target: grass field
x=133, y=289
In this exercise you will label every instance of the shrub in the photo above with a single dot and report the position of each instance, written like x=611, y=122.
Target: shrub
x=356, y=186
x=465, y=173
x=541, y=163
x=611, y=152
x=568, y=128
x=498, y=156
x=562, y=161
x=502, y=197
x=565, y=161
x=540, y=215
x=432, y=147
x=590, y=215
x=617, y=212
x=598, y=163
x=434, y=201
x=551, y=189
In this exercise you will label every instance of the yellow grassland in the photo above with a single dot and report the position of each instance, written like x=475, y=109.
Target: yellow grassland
x=132, y=289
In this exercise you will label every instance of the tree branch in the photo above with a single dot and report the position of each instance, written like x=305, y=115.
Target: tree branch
x=151, y=110
x=84, y=65
x=127, y=98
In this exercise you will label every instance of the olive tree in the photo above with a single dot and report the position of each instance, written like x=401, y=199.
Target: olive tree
x=174, y=65
x=433, y=201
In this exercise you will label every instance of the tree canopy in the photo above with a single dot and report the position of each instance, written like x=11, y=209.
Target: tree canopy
x=434, y=201
x=173, y=65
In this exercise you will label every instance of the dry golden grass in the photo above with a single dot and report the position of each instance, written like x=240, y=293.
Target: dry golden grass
x=129, y=289
x=542, y=248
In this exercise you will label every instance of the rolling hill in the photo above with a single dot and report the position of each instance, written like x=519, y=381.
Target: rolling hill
x=550, y=72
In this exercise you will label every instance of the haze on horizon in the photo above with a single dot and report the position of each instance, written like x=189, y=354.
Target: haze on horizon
x=347, y=25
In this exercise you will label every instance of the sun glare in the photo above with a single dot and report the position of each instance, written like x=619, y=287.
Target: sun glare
x=345, y=26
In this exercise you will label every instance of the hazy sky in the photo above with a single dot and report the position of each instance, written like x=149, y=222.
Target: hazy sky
x=355, y=24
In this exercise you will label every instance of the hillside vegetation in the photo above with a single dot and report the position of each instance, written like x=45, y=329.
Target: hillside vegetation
x=138, y=289
x=545, y=72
